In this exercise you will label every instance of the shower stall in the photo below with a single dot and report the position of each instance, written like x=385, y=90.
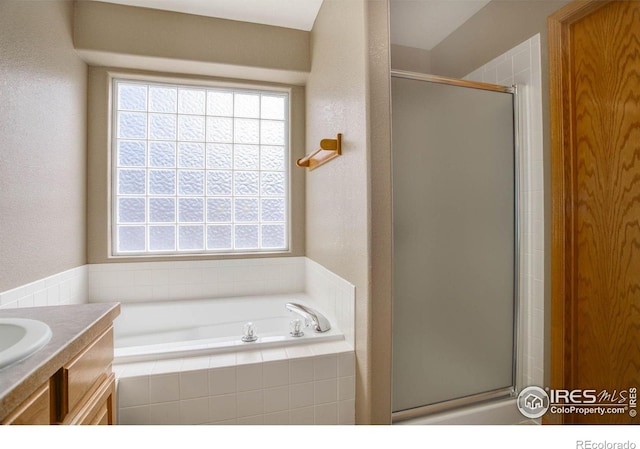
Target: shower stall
x=455, y=248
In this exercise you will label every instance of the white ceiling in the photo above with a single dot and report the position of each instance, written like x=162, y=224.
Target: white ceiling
x=425, y=23
x=297, y=14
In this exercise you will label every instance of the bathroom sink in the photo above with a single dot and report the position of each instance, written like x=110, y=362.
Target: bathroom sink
x=21, y=337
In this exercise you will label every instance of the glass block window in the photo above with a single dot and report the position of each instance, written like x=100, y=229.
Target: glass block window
x=199, y=169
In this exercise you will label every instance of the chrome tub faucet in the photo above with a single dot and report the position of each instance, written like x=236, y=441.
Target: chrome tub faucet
x=318, y=321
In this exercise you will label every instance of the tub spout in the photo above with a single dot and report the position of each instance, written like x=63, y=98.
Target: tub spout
x=319, y=322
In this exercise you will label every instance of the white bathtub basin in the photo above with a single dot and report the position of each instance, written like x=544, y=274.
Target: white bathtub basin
x=189, y=328
x=21, y=337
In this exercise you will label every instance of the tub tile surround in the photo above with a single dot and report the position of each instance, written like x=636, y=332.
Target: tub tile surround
x=304, y=384
x=67, y=287
x=332, y=293
x=312, y=387
x=157, y=281
x=522, y=66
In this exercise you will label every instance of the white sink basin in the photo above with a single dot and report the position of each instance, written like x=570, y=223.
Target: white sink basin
x=21, y=337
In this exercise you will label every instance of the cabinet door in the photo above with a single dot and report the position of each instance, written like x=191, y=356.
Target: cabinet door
x=86, y=370
x=36, y=409
x=99, y=407
x=102, y=418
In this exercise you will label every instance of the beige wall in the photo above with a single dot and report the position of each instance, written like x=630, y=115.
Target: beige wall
x=337, y=193
x=98, y=185
x=381, y=214
x=42, y=142
x=175, y=47
x=107, y=34
x=410, y=59
x=496, y=28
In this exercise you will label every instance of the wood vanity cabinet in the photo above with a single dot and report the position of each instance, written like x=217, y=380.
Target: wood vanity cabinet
x=36, y=409
x=82, y=391
x=85, y=386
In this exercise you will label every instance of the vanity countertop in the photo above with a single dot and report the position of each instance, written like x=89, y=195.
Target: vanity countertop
x=73, y=327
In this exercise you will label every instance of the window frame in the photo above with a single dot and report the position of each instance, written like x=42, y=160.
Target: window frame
x=147, y=79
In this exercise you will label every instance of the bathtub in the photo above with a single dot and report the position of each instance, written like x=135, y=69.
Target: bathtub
x=183, y=362
x=188, y=328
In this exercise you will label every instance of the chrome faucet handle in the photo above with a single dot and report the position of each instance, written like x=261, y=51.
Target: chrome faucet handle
x=249, y=332
x=319, y=322
x=295, y=328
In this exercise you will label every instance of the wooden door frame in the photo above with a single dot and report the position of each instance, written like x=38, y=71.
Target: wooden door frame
x=563, y=171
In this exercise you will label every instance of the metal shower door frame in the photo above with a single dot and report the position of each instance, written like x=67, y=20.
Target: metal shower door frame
x=516, y=372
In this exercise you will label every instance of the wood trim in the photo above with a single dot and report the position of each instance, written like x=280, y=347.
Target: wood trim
x=562, y=191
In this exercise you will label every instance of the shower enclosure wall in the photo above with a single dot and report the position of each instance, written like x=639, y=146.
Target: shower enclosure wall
x=455, y=243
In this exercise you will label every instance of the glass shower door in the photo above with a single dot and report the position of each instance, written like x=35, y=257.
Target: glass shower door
x=455, y=245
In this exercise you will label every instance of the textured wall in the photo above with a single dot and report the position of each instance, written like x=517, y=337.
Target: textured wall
x=337, y=193
x=381, y=214
x=410, y=59
x=42, y=144
x=141, y=38
x=496, y=28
